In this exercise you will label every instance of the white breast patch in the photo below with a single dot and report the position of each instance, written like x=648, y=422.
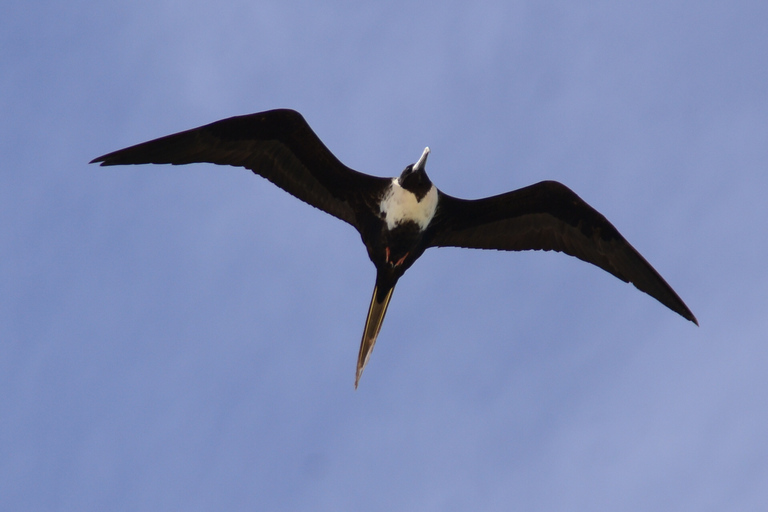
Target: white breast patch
x=400, y=205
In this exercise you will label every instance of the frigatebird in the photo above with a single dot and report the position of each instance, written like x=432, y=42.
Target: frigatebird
x=399, y=218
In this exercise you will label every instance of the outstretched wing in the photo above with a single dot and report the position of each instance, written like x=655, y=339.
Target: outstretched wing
x=549, y=216
x=278, y=145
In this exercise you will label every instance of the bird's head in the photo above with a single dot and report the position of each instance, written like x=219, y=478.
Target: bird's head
x=414, y=178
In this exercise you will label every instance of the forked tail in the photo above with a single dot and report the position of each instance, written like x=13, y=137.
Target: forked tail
x=376, y=313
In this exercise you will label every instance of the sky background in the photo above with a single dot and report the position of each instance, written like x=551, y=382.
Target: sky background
x=185, y=338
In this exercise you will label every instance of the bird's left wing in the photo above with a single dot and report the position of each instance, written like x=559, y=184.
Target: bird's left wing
x=548, y=216
x=278, y=145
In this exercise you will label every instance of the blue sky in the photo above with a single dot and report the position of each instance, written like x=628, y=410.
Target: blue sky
x=185, y=338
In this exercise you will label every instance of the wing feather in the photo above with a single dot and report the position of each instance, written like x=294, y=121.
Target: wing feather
x=549, y=216
x=278, y=145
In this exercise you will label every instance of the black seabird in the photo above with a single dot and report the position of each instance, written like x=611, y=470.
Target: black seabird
x=399, y=218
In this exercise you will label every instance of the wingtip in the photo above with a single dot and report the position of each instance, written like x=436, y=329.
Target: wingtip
x=101, y=160
x=686, y=313
x=682, y=310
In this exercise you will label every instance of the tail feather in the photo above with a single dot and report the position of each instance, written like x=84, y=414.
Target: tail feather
x=376, y=312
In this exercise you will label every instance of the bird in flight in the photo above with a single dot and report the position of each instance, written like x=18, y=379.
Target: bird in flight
x=399, y=218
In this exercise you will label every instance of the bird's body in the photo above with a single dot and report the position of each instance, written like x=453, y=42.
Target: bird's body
x=399, y=218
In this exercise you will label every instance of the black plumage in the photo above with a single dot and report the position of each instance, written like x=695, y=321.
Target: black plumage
x=399, y=218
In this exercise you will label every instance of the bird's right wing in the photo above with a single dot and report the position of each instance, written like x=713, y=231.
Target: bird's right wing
x=278, y=145
x=549, y=216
